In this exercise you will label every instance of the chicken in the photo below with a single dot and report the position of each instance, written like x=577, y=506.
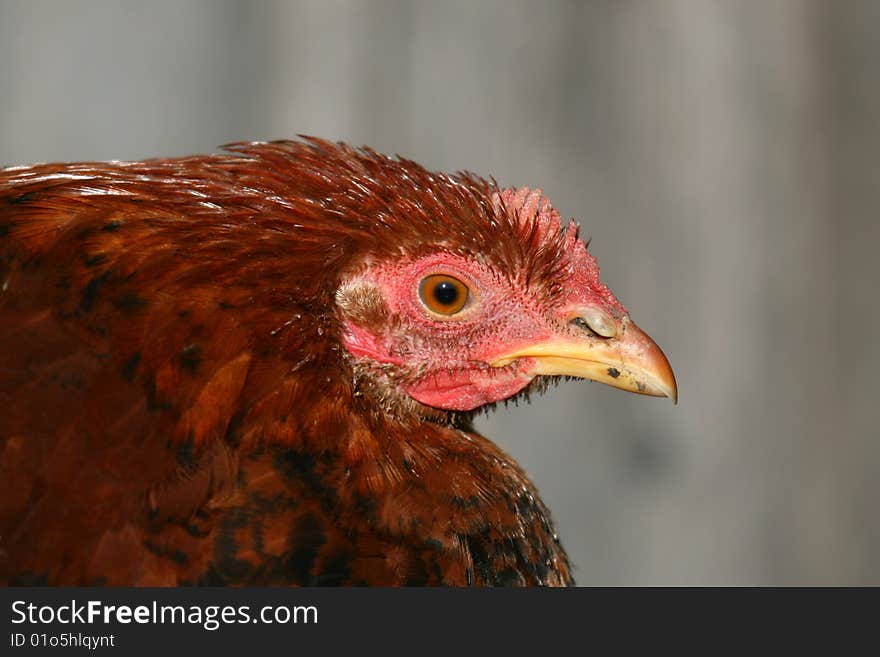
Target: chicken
x=260, y=368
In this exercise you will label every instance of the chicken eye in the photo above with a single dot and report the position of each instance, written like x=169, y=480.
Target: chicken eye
x=443, y=294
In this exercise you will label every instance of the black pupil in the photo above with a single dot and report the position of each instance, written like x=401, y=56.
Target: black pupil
x=445, y=293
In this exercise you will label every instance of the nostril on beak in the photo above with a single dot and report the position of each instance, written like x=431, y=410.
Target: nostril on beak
x=581, y=323
x=596, y=323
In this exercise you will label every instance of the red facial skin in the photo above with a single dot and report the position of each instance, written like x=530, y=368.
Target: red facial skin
x=443, y=361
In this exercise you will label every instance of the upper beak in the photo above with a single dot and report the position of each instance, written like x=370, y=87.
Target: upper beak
x=630, y=361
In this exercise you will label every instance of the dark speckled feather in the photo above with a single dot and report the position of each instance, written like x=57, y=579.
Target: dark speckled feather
x=175, y=405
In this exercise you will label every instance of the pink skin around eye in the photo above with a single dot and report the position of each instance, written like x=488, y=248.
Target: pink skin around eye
x=454, y=352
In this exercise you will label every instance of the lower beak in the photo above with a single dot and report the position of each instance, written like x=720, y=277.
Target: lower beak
x=630, y=361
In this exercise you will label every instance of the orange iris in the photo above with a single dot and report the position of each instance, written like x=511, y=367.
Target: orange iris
x=443, y=294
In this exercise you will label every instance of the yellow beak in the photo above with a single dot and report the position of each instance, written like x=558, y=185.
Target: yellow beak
x=630, y=361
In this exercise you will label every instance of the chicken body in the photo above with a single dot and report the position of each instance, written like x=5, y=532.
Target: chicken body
x=200, y=382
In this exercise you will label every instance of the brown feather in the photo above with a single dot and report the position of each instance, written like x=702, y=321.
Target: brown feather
x=175, y=407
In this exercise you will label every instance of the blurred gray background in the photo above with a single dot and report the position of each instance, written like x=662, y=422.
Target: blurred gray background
x=724, y=156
